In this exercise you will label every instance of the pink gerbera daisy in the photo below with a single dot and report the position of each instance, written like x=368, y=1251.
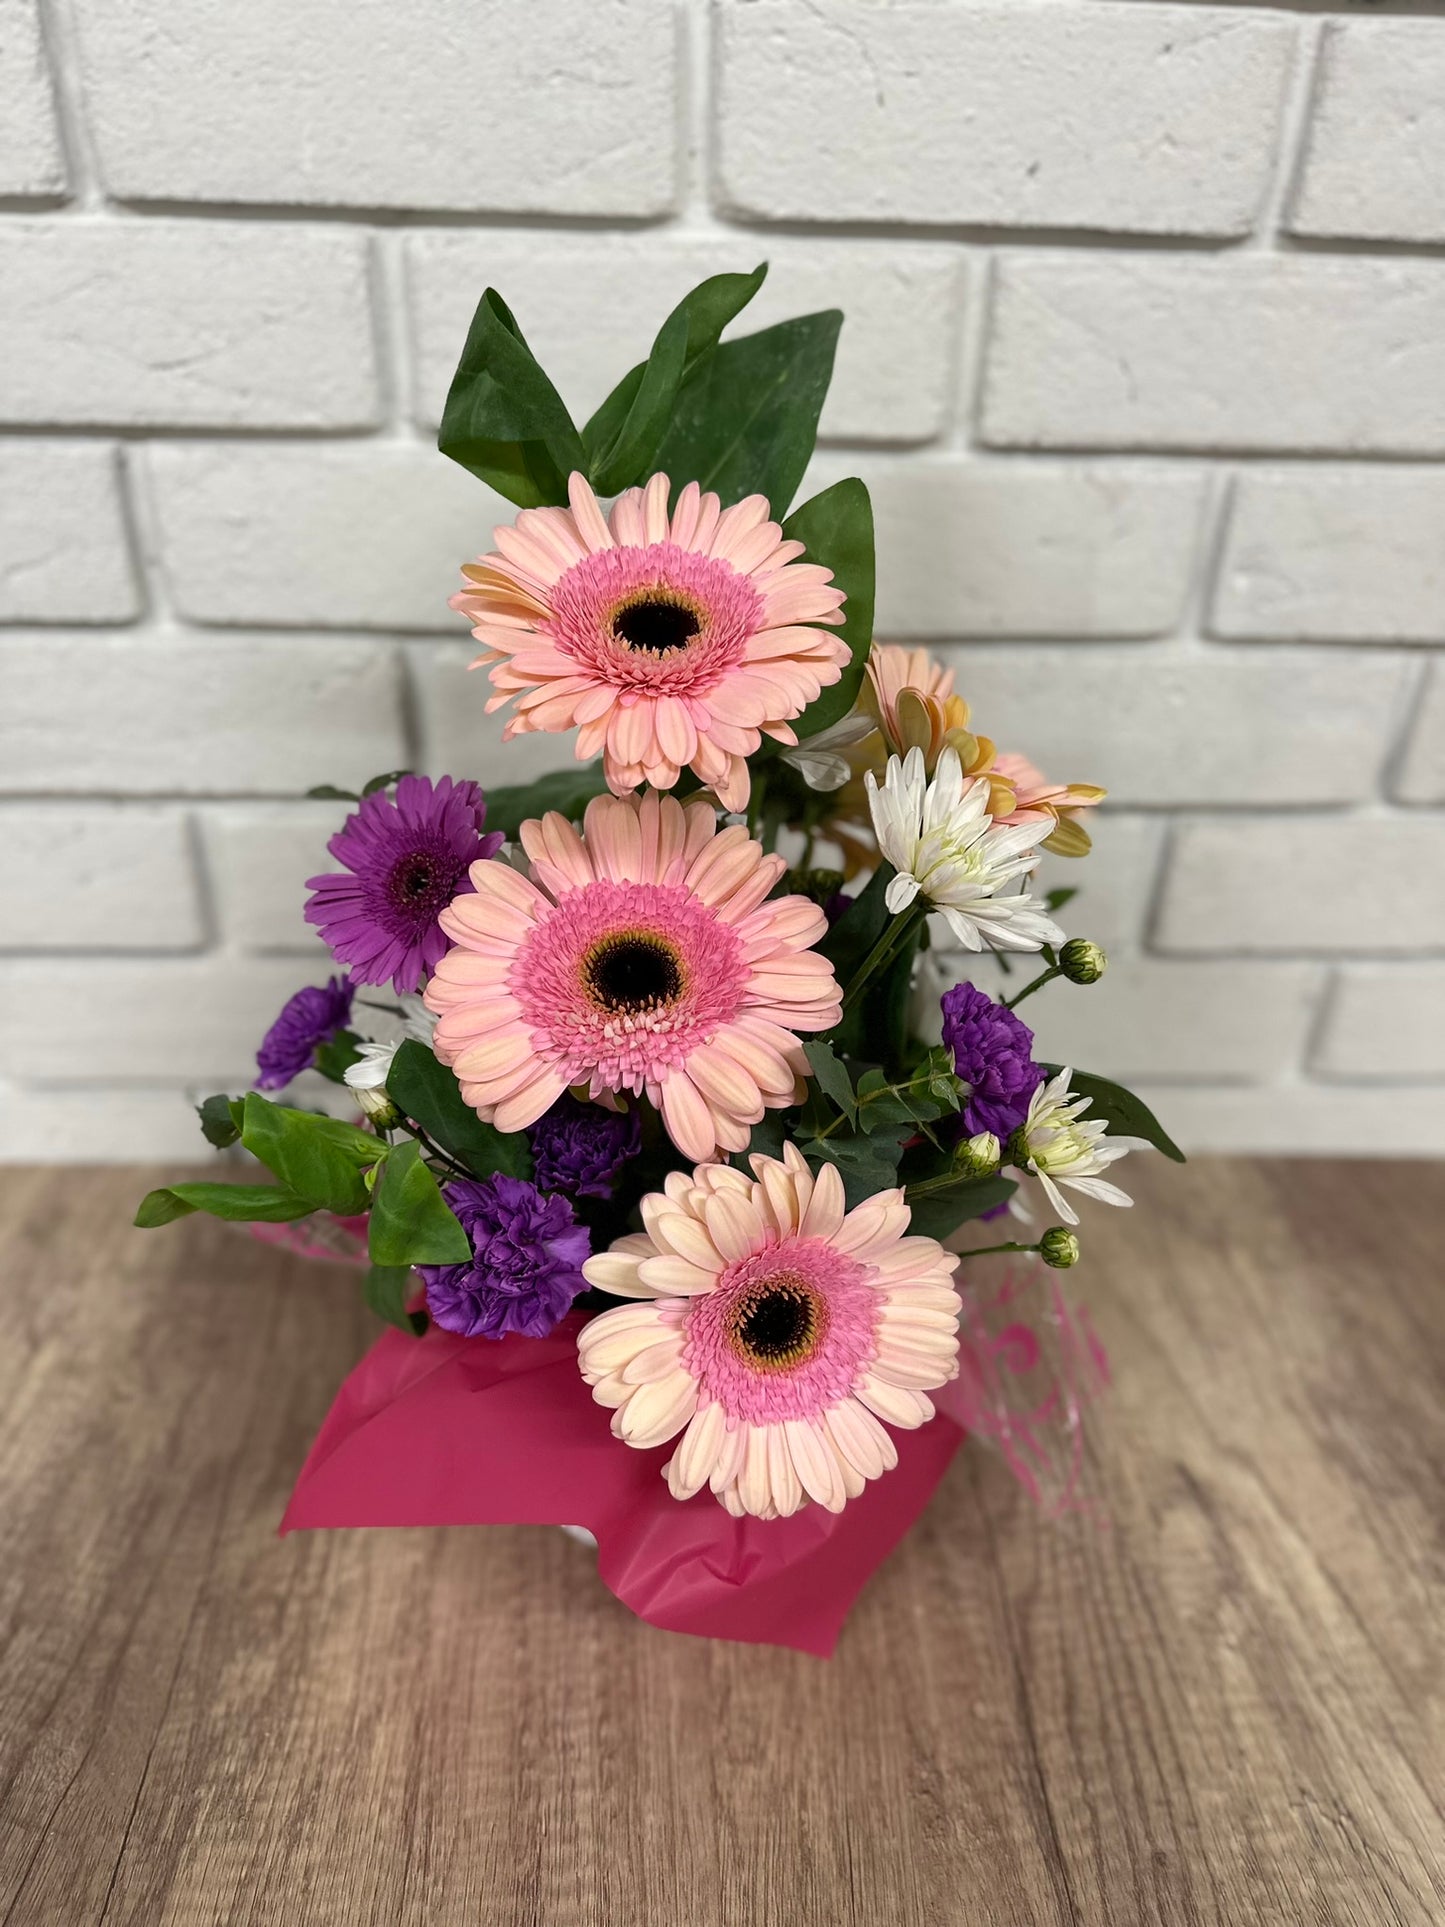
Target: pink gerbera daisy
x=781, y=1329
x=641, y=957
x=665, y=641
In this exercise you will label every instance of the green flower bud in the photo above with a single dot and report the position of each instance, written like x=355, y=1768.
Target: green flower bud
x=977, y=1157
x=1016, y=1150
x=1082, y=962
x=378, y=1107
x=1059, y=1248
x=821, y=885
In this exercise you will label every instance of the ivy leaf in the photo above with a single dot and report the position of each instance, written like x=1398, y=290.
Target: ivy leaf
x=328, y=793
x=383, y=782
x=748, y=423
x=425, y=1090
x=832, y=1077
x=503, y=419
x=836, y=527
x=1125, y=1114
x=319, y=1158
x=240, y=1203
x=623, y=437
x=940, y=1213
x=220, y=1120
x=866, y=1165
x=567, y=790
x=410, y=1223
x=387, y=1289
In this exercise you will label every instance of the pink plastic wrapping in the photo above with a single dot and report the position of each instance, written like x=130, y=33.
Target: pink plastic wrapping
x=451, y=1431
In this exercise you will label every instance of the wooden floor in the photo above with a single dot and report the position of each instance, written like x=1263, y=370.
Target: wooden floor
x=1228, y=1707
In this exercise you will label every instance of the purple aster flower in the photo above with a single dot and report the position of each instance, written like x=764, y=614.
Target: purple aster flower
x=405, y=861
x=309, y=1019
x=526, y=1263
x=993, y=1054
x=579, y=1148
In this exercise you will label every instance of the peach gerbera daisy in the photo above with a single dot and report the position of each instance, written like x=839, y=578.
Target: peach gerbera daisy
x=665, y=641
x=640, y=957
x=781, y=1329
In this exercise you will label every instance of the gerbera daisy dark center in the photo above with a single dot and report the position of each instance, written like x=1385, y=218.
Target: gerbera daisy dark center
x=779, y=1323
x=422, y=881
x=656, y=625
x=632, y=973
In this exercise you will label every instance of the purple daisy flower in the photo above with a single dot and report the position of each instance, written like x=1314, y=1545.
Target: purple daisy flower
x=405, y=861
x=307, y=1021
x=580, y=1148
x=993, y=1054
x=526, y=1263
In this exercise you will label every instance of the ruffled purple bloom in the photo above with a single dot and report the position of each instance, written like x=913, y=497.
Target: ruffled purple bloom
x=309, y=1019
x=992, y=1053
x=526, y=1263
x=579, y=1149
x=405, y=862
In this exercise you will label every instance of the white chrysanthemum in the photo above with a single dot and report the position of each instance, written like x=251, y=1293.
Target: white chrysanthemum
x=1060, y=1149
x=945, y=846
x=373, y=1066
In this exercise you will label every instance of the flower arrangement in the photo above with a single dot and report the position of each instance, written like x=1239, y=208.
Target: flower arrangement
x=650, y=1121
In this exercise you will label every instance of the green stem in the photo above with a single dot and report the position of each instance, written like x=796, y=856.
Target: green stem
x=1054, y=970
x=987, y=1251
x=892, y=939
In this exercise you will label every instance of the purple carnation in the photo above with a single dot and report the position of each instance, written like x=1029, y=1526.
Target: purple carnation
x=405, y=862
x=993, y=1054
x=579, y=1148
x=526, y=1263
x=308, y=1020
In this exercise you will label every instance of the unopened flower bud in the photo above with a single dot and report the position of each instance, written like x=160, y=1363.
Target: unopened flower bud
x=978, y=1156
x=1059, y=1248
x=821, y=885
x=378, y=1107
x=1082, y=962
x=1016, y=1149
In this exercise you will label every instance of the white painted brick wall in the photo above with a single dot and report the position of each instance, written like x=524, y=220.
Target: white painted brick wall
x=1144, y=365
x=1335, y=554
x=1375, y=156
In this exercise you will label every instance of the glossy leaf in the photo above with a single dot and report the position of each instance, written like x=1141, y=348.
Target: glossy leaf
x=383, y=782
x=388, y=1287
x=320, y=1158
x=836, y=527
x=240, y=1203
x=503, y=419
x=940, y=1213
x=410, y=1223
x=425, y=1090
x=567, y=790
x=748, y=423
x=1125, y=1114
x=623, y=437
x=329, y=793
x=336, y=1056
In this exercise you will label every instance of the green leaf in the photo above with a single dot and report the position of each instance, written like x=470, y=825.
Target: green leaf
x=241, y=1203
x=220, y=1120
x=940, y=1213
x=832, y=1078
x=836, y=527
x=383, y=782
x=1056, y=899
x=424, y=1089
x=1125, y=1114
x=328, y=793
x=503, y=419
x=336, y=1056
x=768, y=1137
x=748, y=423
x=410, y=1223
x=320, y=1158
x=867, y=1165
x=387, y=1289
x=567, y=790
x=623, y=437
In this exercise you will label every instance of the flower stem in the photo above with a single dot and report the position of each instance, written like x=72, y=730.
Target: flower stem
x=987, y=1251
x=902, y=926
x=1012, y=1003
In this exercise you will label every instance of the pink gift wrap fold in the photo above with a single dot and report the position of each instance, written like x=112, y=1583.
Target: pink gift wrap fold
x=444, y=1430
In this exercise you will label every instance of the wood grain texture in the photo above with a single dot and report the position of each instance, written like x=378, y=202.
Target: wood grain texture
x=1226, y=1707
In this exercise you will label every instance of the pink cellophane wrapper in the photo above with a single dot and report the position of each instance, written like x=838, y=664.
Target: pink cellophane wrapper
x=451, y=1431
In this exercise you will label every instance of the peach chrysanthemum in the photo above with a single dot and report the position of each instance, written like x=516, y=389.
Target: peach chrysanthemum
x=1048, y=806
x=781, y=1329
x=666, y=641
x=640, y=957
